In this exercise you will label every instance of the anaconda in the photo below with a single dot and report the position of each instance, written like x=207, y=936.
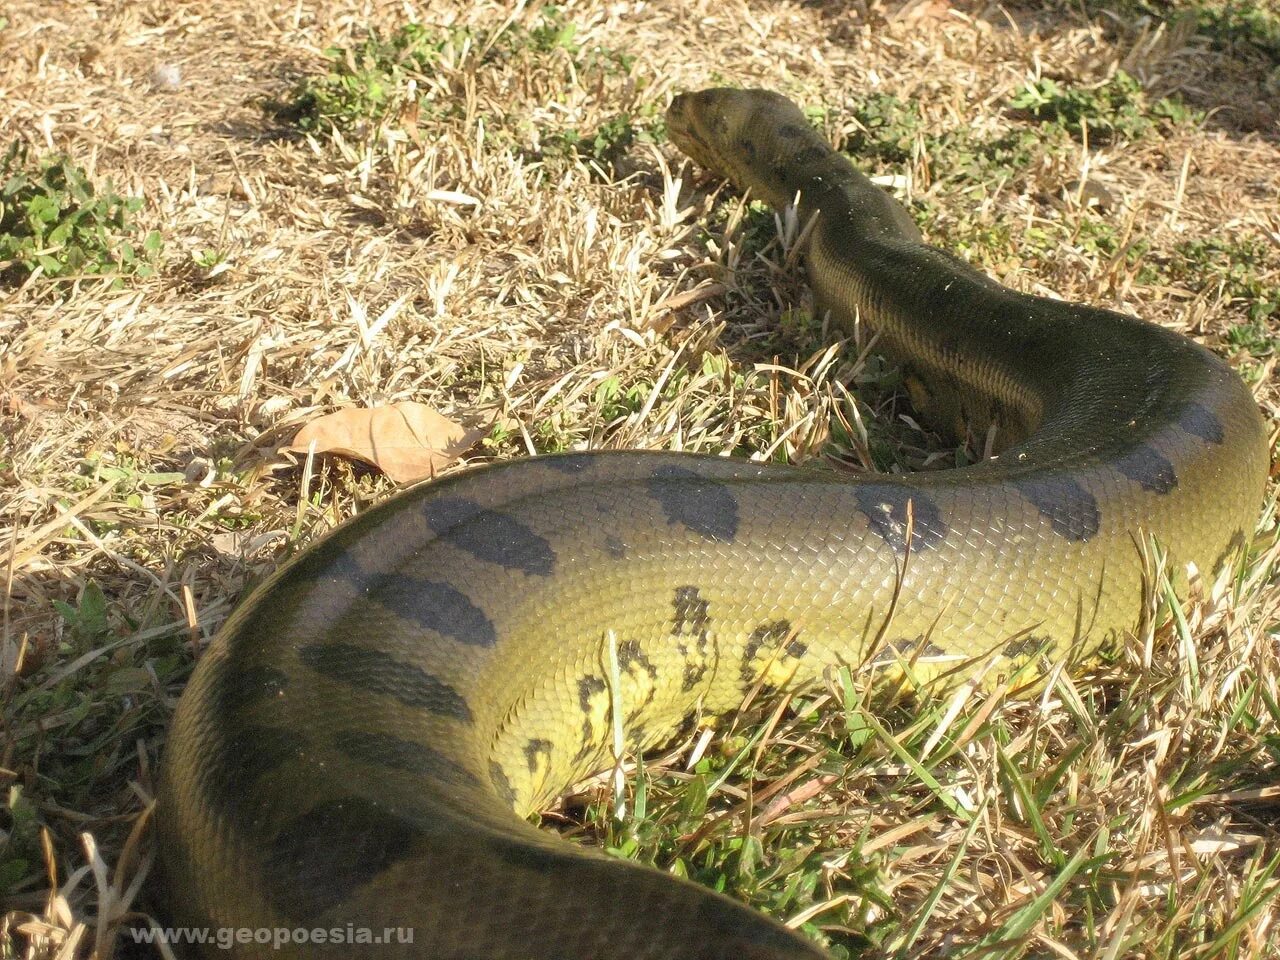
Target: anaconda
x=358, y=745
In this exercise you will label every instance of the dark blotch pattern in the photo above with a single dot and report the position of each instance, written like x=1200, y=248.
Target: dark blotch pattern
x=1202, y=422
x=501, y=783
x=692, y=619
x=490, y=536
x=1026, y=646
x=891, y=652
x=588, y=688
x=701, y=504
x=248, y=755
x=747, y=148
x=239, y=689
x=692, y=675
x=791, y=131
x=524, y=855
x=615, y=547
x=885, y=507
x=535, y=748
x=571, y=463
x=434, y=605
x=396, y=753
x=329, y=565
x=766, y=635
x=1070, y=508
x=810, y=155
x=378, y=672
x=691, y=613
x=630, y=651
x=1148, y=468
x=320, y=859
x=907, y=649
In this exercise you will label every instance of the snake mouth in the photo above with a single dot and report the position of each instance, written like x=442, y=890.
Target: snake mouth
x=680, y=126
x=682, y=130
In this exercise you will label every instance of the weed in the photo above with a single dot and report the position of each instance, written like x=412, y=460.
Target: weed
x=555, y=32
x=1117, y=109
x=365, y=83
x=1232, y=23
x=1235, y=268
x=606, y=144
x=1227, y=25
x=53, y=219
x=888, y=129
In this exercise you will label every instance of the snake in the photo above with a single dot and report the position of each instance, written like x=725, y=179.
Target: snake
x=357, y=754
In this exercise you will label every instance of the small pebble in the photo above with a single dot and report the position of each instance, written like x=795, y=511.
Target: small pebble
x=166, y=76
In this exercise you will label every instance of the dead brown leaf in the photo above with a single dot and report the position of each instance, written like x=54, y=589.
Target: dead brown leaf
x=406, y=441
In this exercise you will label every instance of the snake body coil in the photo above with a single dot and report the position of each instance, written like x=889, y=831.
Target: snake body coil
x=355, y=747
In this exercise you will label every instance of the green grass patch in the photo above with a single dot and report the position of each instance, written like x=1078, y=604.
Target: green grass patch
x=1233, y=23
x=367, y=84
x=1235, y=270
x=1227, y=25
x=364, y=83
x=892, y=133
x=609, y=141
x=888, y=128
x=1117, y=109
x=54, y=219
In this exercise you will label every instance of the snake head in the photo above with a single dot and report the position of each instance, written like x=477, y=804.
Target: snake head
x=757, y=139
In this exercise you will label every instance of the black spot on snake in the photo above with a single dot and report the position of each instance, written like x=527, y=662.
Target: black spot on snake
x=792, y=130
x=1071, y=510
x=692, y=675
x=340, y=567
x=588, y=746
x=886, y=505
x=891, y=652
x=907, y=649
x=376, y=671
x=242, y=688
x=249, y=754
x=588, y=688
x=1148, y=468
x=615, y=548
x=748, y=149
x=691, y=613
x=435, y=605
x=796, y=647
x=691, y=618
x=1026, y=646
x=534, y=858
x=766, y=635
x=569, y=462
x=1202, y=422
x=396, y=753
x=630, y=651
x=700, y=504
x=501, y=782
x=809, y=155
x=306, y=877
x=490, y=535
x=534, y=748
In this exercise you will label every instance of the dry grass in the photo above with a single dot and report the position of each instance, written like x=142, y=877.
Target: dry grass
x=468, y=263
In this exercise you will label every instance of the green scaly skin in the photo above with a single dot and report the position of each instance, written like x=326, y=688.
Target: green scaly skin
x=359, y=743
